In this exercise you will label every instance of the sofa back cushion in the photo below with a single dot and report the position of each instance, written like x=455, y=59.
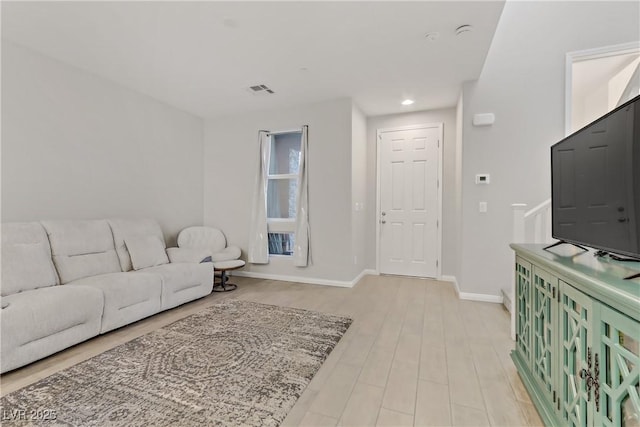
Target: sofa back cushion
x=202, y=237
x=147, y=251
x=82, y=248
x=26, y=258
x=133, y=230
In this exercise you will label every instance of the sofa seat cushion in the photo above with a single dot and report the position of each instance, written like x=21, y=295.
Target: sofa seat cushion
x=128, y=297
x=182, y=282
x=40, y=322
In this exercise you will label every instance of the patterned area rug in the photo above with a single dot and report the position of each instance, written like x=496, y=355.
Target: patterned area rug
x=236, y=363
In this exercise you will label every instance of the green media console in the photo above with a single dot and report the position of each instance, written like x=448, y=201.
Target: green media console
x=577, y=335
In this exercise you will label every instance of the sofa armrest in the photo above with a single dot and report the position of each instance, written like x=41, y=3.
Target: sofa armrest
x=187, y=255
x=227, y=254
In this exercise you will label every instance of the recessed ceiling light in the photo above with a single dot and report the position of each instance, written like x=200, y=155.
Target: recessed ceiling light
x=432, y=36
x=463, y=29
x=407, y=102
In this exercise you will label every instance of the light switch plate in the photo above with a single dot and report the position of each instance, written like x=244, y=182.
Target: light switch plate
x=483, y=178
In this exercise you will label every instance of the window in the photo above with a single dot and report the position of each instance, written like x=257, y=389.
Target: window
x=280, y=216
x=282, y=191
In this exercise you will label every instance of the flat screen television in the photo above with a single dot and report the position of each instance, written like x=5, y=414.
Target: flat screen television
x=595, y=183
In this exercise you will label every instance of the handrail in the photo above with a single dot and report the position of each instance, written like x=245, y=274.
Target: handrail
x=539, y=208
x=529, y=226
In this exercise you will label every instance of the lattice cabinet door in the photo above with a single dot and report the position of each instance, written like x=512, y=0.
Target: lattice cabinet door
x=544, y=342
x=619, y=366
x=523, y=309
x=576, y=370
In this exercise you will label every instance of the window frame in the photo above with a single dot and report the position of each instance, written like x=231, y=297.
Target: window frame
x=281, y=225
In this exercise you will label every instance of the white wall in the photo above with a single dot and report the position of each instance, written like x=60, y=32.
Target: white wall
x=458, y=168
x=595, y=104
x=523, y=84
x=76, y=146
x=231, y=159
x=359, y=200
x=449, y=222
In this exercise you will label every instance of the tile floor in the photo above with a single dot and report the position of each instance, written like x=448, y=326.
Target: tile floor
x=414, y=355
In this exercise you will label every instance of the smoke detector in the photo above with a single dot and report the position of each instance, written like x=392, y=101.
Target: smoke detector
x=260, y=90
x=463, y=29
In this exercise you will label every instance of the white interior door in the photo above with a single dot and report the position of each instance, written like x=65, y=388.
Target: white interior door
x=410, y=200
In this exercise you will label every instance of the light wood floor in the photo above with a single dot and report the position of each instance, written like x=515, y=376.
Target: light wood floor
x=414, y=355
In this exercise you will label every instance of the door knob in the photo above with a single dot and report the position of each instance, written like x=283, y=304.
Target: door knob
x=383, y=221
x=384, y=213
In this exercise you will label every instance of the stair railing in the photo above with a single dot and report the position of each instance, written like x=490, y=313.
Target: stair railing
x=532, y=226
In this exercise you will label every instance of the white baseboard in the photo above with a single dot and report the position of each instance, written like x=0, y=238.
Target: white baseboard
x=350, y=284
x=453, y=280
x=365, y=272
x=309, y=280
x=469, y=296
x=480, y=297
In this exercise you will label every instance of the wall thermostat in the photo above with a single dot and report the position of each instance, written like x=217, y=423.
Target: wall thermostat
x=483, y=178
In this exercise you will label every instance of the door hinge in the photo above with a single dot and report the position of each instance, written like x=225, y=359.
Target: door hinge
x=437, y=223
x=436, y=263
x=554, y=297
x=558, y=295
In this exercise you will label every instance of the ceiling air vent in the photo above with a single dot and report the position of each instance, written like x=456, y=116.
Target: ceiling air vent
x=261, y=90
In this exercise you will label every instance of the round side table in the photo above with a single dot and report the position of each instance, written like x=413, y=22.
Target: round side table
x=222, y=267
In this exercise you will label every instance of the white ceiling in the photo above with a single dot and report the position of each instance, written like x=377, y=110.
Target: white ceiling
x=201, y=56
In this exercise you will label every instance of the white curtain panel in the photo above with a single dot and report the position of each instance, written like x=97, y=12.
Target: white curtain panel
x=302, y=247
x=258, y=235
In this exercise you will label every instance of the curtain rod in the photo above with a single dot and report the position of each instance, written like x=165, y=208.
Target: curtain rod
x=285, y=131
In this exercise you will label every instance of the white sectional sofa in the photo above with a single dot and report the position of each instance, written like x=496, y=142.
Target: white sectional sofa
x=64, y=282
